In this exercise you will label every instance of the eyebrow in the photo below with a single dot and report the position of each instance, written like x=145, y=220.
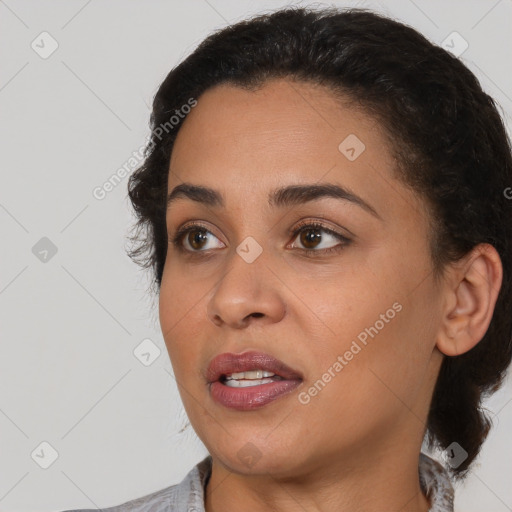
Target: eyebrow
x=280, y=198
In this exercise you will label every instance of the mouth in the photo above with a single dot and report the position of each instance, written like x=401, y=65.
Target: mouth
x=249, y=380
x=254, y=365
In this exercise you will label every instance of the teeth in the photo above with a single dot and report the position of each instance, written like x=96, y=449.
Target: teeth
x=254, y=374
x=247, y=383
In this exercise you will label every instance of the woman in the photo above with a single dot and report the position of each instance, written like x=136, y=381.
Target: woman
x=323, y=205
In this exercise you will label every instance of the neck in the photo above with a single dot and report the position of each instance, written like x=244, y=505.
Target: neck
x=371, y=483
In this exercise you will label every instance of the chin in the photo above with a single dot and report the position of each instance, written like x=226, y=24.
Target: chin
x=255, y=457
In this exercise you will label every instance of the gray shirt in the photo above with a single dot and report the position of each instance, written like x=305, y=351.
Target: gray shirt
x=188, y=495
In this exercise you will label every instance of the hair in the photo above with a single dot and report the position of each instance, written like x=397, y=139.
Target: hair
x=445, y=133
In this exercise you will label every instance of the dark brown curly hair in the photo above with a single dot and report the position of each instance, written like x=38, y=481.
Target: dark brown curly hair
x=446, y=133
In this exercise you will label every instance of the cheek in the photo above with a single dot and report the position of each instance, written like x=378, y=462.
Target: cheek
x=347, y=304
x=371, y=318
x=396, y=342
x=182, y=310
x=378, y=377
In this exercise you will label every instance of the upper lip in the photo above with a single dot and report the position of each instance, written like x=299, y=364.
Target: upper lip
x=227, y=363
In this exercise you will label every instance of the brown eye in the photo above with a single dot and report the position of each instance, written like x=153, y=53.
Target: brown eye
x=197, y=238
x=310, y=238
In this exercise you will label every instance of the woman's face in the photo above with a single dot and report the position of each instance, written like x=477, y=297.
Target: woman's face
x=356, y=317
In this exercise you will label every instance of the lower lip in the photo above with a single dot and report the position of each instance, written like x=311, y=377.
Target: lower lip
x=253, y=397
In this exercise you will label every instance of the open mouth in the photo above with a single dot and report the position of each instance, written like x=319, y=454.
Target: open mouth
x=250, y=378
x=248, y=367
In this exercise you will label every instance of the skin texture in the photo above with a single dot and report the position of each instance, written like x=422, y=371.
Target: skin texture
x=355, y=445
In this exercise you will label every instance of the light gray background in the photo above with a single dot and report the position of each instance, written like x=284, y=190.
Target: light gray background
x=69, y=326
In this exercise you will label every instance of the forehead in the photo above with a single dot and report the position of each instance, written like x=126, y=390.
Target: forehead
x=298, y=117
x=241, y=141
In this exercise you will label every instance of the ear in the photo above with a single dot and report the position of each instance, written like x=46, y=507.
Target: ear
x=471, y=287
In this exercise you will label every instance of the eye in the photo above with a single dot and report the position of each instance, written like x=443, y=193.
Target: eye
x=309, y=235
x=195, y=236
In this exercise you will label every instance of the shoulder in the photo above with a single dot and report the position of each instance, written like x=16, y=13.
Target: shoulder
x=185, y=496
x=436, y=484
x=143, y=504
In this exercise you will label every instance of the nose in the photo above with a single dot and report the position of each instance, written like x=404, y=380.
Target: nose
x=246, y=291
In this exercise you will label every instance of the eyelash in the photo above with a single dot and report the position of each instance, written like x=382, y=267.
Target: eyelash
x=305, y=226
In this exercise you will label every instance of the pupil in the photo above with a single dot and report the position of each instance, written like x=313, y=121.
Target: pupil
x=196, y=237
x=307, y=239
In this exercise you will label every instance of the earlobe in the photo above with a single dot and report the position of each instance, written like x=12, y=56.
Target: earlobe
x=473, y=288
